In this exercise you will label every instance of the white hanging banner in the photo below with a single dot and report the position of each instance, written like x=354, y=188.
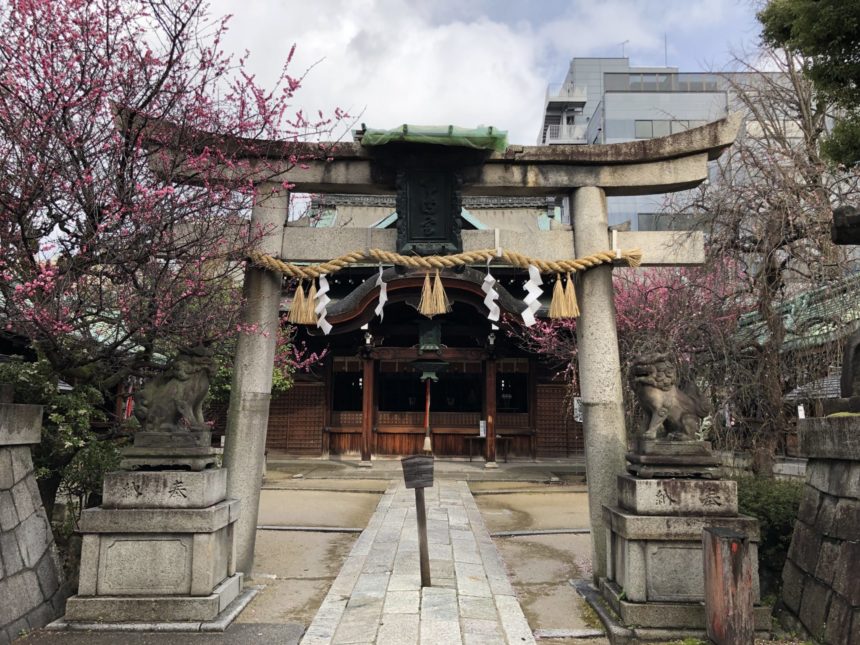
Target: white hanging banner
x=532, y=297
x=489, y=288
x=322, y=301
x=383, y=294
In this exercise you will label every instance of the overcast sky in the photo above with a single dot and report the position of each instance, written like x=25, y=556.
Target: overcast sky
x=471, y=62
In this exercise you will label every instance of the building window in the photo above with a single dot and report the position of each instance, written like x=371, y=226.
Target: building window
x=644, y=129
x=660, y=128
x=680, y=126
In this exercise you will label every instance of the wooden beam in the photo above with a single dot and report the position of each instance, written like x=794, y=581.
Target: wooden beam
x=412, y=354
x=674, y=248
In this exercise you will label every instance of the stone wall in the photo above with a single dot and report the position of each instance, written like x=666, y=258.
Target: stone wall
x=821, y=592
x=31, y=590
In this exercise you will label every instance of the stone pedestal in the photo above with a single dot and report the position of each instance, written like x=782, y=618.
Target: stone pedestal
x=191, y=449
x=159, y=549
x=655, y=571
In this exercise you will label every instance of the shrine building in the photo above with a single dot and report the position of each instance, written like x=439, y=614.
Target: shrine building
x=370, y=378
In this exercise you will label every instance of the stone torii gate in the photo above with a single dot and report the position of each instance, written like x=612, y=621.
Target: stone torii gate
x=586, y=174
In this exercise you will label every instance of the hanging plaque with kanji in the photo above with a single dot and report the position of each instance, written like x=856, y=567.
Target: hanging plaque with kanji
x=428, y=209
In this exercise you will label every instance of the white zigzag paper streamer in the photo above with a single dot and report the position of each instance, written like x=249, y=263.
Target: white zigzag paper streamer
x=531, y=299
x=322, y=301
x=489, y=287
x=383, y=295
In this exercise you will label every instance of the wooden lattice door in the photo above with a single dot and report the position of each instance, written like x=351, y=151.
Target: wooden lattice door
x=296, y=419
x=558, y=435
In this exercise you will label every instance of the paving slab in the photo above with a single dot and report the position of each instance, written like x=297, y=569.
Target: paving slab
x=236, y=634
x=377, y=596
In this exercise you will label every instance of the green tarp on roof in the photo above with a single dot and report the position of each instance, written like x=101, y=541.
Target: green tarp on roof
x=480, y=138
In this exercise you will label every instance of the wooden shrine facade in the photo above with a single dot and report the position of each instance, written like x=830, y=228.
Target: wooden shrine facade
x=366, y=398
x=303, y=421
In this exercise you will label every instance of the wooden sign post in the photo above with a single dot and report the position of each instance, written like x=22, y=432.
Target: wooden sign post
x=728, y=587
x=418, y=474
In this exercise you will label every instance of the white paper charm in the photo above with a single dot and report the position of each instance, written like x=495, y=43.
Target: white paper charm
x=532, y=297
x=383, y=295
x=320, y=308
x=489, y=288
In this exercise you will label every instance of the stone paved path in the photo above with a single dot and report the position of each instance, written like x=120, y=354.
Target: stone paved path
x=377, y=596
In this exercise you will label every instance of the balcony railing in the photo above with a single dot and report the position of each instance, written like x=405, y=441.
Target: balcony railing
x=565, y=94
x=565, y=134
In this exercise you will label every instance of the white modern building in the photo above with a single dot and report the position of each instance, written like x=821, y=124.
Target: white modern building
x=605, y=100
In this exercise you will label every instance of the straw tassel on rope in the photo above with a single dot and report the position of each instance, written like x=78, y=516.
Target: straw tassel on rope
x=310, y=313
x=434, y=300
x=441, y=305
x=298, y=304
x=556, y=305
x=570, y=304
x=564, y=303
x=425, y=305
x=302, y=309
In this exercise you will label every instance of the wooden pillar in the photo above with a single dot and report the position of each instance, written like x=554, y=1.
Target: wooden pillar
x=490, y=369
x=328, y=380
x=728, y=587
x=367, y=410
x=532, y=403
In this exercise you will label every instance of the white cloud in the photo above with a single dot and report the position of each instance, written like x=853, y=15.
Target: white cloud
x=394, y=65
x=406, y=61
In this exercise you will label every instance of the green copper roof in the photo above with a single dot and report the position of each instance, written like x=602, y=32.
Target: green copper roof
x=480, y=138
x=813, y=318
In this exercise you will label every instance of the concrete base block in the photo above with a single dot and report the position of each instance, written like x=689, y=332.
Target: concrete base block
x=192, y=458
x=164, y=488
x=159, y=520
x=666, y=448
x=658, y=558
x=667, y=615
x=677, y=496
x=154, y=609
x=172, y=440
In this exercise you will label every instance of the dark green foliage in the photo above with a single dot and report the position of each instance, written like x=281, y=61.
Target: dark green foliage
x=67, y=420
x=83, y=477
x=827, y=33
x=774, y=504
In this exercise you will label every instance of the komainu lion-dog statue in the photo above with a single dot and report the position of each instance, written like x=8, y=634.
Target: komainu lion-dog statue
x=672, y=413
x=173, y=401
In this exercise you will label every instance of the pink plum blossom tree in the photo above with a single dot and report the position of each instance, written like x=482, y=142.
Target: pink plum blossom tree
x=106, y=266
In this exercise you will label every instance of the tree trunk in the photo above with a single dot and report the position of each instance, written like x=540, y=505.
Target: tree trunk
x=48, y=487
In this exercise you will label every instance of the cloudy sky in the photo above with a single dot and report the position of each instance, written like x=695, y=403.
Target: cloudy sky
x=471, y=62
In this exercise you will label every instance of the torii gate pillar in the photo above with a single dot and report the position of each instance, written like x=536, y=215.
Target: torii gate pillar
x=251, y=387
x=599, y=369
